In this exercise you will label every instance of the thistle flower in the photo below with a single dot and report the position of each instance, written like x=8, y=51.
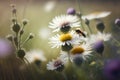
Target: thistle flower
x=6, y=48
x=97, y=40
x=71, y=11
x=98, y=46
x=57, y=64
x=65, y=39
x=64, y=23
x=35, y=56
x=112, y=69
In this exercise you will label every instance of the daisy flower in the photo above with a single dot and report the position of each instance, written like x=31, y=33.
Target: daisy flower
x=96, y=41
x=63, y=39
x=63, y=23
x=57, y=64
x=35, y=56
x=83, y=51
x=77, y=54
x=100, y=37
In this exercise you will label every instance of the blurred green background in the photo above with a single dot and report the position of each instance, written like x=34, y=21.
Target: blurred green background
x=41, y=12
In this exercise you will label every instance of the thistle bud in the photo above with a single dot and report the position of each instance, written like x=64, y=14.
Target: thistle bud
x=9, y=37
x=24, y=21
x=12, y=5
x=14, y=10
x=16, y=28
x=13, y=20
x=78, y=60
x=100, y=26
x=71, y=11
x=31, y=35
x=99, y=47
x=21, y=32
x=21, y=54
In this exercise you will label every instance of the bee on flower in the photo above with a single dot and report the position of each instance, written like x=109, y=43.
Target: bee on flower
x=67, y=39
x=64, y=23
x=80, y=32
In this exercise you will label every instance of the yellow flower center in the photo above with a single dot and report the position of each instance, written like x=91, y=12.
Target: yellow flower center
x=65, y=37
x=77, y=50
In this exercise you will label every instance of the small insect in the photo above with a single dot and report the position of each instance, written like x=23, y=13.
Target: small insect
x=78, y=31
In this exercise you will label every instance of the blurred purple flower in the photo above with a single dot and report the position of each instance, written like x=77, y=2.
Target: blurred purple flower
x=5, y=48
x=117, y=22
x=112, y=69
x=99, y=46
x=71, y=11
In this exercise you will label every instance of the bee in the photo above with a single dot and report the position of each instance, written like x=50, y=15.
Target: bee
x=80, y=32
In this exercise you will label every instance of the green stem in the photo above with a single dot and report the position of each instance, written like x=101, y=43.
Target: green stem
x=24, y=41
x=116, y=41
x=64, y=75
x=78, y=1
x=90, y=30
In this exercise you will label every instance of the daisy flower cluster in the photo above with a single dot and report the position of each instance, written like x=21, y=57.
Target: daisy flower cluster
x=76, y=43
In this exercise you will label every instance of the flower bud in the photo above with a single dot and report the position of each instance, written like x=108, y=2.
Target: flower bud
x=21, y=54
x=71, y=11
x=99, y=47
x=9, y=37
x=31, y=35
x=13, y=20
x=100, y=26
x=14, y=10
x=21, y=32
x=24, y=21
x=16, y=28
x=12, y=5
x=78, y=60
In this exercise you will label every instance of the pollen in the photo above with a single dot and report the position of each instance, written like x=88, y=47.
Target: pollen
x=65, y=37
x=77, y=50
